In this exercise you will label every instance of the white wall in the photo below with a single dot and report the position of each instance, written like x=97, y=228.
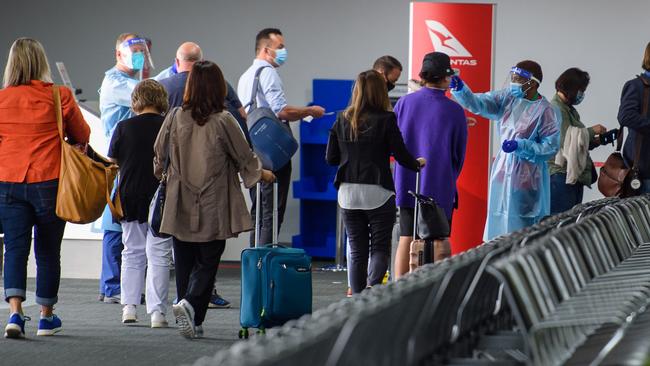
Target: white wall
x=337, y=39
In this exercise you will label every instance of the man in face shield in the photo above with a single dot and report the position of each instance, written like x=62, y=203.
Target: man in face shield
x=529, y=136
x=132, y=56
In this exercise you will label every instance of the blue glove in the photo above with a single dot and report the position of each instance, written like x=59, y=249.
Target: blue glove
x=509, y=146
x=456, y=83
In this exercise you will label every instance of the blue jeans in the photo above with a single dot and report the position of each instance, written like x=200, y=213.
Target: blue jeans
x=24, y=206
x=109, y=282
x=564, y=196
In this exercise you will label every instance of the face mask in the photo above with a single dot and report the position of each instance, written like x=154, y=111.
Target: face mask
x=390, y=86
x=579, y=97
x=280, y=56
x=516, y=90
x=137, y=61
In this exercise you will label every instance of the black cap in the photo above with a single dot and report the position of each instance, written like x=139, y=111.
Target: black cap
x=437, y=64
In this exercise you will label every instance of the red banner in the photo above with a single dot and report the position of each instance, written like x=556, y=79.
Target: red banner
x=465, y=33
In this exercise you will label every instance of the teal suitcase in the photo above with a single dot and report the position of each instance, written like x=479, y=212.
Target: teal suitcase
x=276, y=283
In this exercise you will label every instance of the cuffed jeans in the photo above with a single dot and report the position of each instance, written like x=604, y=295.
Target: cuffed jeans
x=196, y=268
x=23, y=206
x=283, y=177
x=142, y=250
x=364, y=227
x=109, y=282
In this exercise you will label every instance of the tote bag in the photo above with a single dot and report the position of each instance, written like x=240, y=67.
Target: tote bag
x=85, y=180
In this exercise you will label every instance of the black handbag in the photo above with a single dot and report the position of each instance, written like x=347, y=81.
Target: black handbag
x=432, y=223
x=156, y=208
x=157, y=205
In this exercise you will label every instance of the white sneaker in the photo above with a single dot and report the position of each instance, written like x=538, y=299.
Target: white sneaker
x=158, y=320
x=198, y=331
x=184, y=313
x=129, y=314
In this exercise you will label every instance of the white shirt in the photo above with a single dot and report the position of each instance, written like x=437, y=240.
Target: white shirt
x=358, y=196
x=270, y=92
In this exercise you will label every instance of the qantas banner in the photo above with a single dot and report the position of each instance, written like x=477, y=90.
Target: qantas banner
x=465, y=33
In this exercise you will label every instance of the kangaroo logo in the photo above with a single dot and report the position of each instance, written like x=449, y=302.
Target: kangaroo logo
x=444, y=41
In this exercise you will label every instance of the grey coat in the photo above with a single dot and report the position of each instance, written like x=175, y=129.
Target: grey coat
x=204, y=198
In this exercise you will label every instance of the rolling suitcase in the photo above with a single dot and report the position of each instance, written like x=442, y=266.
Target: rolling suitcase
x=275, y=281
x=423, y=251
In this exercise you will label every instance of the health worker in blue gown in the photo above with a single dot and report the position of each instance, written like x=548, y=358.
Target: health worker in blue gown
x=529, y=135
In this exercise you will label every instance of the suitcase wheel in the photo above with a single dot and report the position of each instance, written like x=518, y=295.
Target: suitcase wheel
x=243, y=333
x=261, y=331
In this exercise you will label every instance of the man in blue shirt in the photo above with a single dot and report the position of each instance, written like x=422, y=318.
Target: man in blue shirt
x=186, y=55
x=271, y=53
x=115, y=106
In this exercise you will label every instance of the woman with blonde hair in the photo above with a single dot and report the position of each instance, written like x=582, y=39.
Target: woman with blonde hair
x=30, y=159
x=361, y=142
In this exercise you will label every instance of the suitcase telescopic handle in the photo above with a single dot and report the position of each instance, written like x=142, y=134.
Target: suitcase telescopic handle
x=258, y=213
x=275, y=212
x=417, y=206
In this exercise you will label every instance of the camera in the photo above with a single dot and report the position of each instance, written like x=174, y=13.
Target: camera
x=609, y=137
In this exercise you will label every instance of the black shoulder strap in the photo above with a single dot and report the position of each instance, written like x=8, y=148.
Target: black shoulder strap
x=256, y=86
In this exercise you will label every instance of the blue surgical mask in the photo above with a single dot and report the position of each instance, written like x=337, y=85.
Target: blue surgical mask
x=280, y=56
x=516, y=90
x=137, y=61
x=579, y=97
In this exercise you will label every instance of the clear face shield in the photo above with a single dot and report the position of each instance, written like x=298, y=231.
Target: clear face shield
x=135, y=54
x=519, y=81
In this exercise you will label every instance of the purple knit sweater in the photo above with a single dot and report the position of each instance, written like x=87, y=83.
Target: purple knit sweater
x=434, y=127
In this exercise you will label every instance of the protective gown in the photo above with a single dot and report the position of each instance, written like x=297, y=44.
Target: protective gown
x=114, y=106
x=519, y=183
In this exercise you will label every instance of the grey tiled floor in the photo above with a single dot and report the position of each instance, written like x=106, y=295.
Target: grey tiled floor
x=93, y=334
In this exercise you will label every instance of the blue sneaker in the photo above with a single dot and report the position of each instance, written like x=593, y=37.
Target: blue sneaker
x=218, y=302
x=47, y=327
x=16, y=326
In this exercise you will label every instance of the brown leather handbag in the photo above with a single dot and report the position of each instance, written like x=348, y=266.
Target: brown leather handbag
x=85, y=180
x=615, y=178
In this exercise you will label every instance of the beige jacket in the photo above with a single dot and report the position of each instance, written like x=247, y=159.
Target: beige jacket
x=204, y=198
x=574, y=153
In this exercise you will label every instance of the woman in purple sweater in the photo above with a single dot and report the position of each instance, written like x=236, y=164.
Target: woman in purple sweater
x=435, y=128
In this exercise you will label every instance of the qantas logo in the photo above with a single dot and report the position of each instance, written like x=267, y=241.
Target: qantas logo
x=444, y=41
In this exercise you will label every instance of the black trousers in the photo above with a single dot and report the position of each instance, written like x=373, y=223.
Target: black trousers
x=283, y=177
x=196, y=268
x=363, y=228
